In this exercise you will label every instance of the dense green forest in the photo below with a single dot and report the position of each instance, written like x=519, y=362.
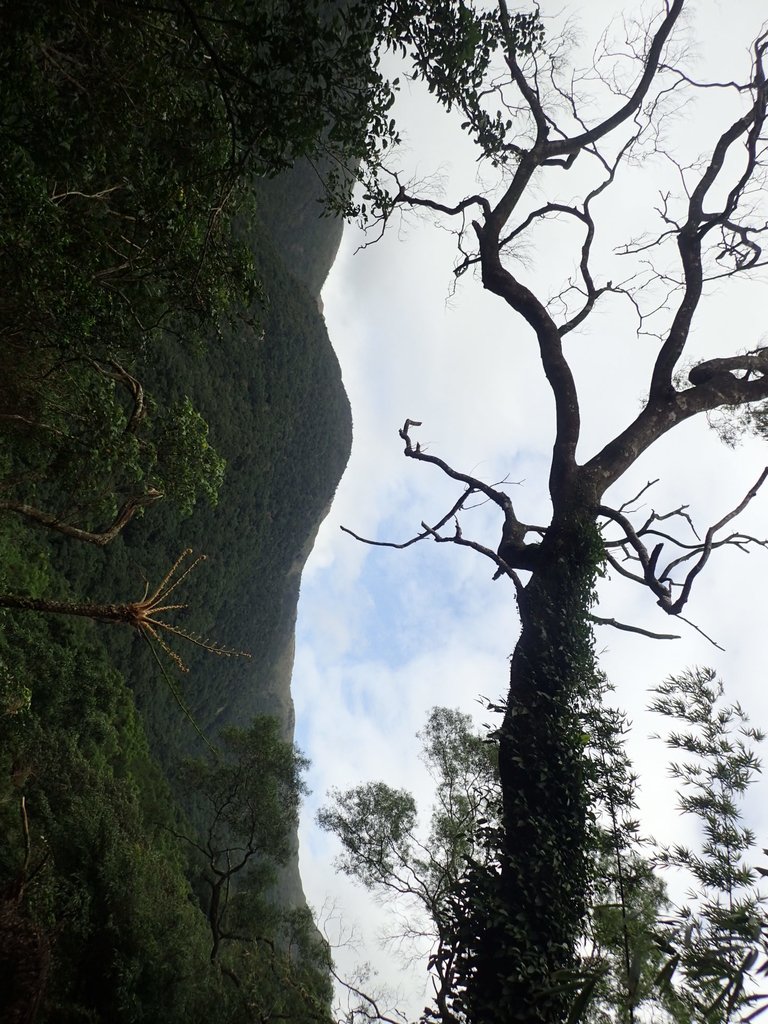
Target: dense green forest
x=167, y=384
x=172, y=429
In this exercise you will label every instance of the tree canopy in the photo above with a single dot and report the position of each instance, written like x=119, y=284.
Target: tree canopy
x=132, y=138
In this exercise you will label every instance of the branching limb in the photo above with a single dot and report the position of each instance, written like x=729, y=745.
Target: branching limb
x=403, y=197
x=730, y=381
x=660, y=581
x=132, y=385
x=502, y=569
x=742, y=541
x=98, y=537
x=415, y=452
x=530, y=93
x=427, y=531
x=132, y=506
x=570, y=147
x=625, y=506
x=513, y=552
x=592, y=292
x=145, y=615
x=699, y=221
x=368, y=1009
x=707, y=545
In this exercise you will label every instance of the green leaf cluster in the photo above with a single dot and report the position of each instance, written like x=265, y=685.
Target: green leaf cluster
x=714, y=942
x=452, y=46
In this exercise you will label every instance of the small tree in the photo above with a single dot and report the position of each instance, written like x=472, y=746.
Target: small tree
x=638, y=953
x=248, y=797
x=714, y=942
x=383, y=849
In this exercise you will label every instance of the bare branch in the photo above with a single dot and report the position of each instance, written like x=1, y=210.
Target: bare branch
x=97, y=537
x=632, y=629
x=699, y=222
x=631, y=501
x=571, y=147
x=706, y=548
x=403, y=197
x=370, y=1010
x=660, y=581
x=502, y=569
x=529, y=93
x=701, y=631
x=427, y=532
x=593, y=293
x=415, y=452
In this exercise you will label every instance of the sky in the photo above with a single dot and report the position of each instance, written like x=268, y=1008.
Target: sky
x=385, y=635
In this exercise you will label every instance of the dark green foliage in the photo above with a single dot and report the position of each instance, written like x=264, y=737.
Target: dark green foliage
x=248, y=795
x=95, y=870
x=714, y=942
x=288, y=207
x=130, y=136
x=278, y=415
x=132, y=85
x=451, y=46
x=113, y=157
x=283, y=971
x=132, y=318
x=129, y=132
x=247, y=798
x=101, y=881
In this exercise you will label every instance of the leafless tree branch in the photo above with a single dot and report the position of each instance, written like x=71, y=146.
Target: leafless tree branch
x=600, y=621
x=97, y=537
x=428, y=531
x=661, y=581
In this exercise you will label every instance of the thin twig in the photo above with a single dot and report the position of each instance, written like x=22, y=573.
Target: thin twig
x=177, y=696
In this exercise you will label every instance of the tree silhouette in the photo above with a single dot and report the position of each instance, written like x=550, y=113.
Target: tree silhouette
x=532, y=119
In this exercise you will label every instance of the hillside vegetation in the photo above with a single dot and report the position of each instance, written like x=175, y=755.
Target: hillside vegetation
x=167, y=384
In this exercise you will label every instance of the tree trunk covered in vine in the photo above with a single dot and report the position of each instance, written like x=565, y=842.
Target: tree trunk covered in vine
x=528, y=915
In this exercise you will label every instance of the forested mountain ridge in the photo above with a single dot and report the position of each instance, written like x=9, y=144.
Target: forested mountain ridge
x=166, y=383
x=270, y=390
x=272, y=395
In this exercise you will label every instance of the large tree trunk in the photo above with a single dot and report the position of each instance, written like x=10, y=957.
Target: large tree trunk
x=537, y=901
